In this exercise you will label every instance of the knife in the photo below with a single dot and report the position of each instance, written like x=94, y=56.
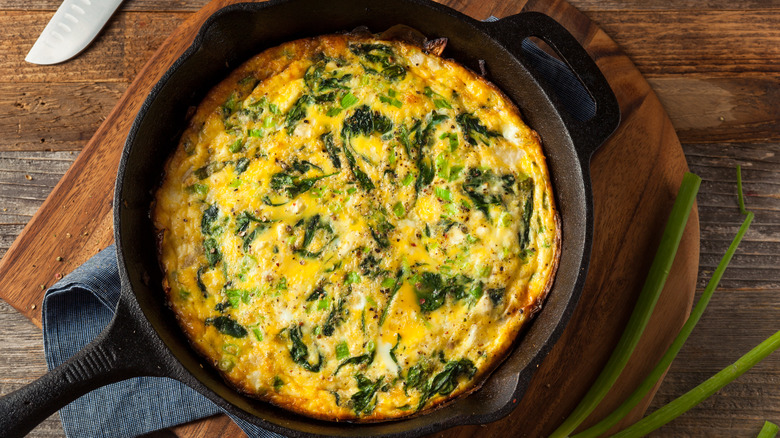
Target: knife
x=75, y=24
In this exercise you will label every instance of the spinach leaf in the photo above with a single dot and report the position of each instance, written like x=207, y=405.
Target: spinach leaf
x=473, y=129
x=221, y=307
x=382, y=60
x=369, y=266
x=312, y=226
x=317, y=294
x=527, y=190
x=363, y=180
x=423, y=140
x=417, y=377
x=243, y=220
x=364, y=400
x=486, y=188
x=267, y=201
x=430, y=291
x=446, y=381
x=209, y=169
x=425, y=177
x=242, y=225
x=292, y=186
x=199, y=280
x=241, y=165
x=211, y=249
x=337, y=315
x=457, y=286
x=363, y=121
x=249, y=238
x=366, y=359
x=396, y=285
x=227, y=326
x=443, y=383
x=298, y=112
x=330, y=147
x=323, y=83
x=379, y=231
x=300, y=352
x=209, y=219
x=496, y=295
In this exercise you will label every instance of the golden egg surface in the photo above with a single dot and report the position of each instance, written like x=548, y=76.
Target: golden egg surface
x=355, y=229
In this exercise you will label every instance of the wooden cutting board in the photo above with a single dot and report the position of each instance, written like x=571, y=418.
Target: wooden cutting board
x=635, y=178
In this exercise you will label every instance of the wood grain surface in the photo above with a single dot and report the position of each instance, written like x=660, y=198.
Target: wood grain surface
x=713, y=64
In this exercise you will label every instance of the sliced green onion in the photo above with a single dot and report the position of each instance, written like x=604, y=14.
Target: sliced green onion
x=237, y=145
x=443, y=193
x=388, y=282
x=768, y=431
x=703, y=391
x=656, y=277
x=258, y=334
x=652, y=378
x=323, y=303
x=342, y=350
x=348, y=100
x=351, y=278
x=399, y=210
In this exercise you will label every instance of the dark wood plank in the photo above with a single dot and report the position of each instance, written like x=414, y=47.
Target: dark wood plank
x=744, y=42
x=721, y=109
x=22, y=361
x=583, y=5
x=26, y=179
x=669, y=42
x=53, y=116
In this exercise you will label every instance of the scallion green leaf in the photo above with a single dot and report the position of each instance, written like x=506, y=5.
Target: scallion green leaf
x=677, y=344
x=656, y=278
x=348, y=100
x=399, y=209
x=342, y=350
x=443, y=193
x=769, y=430
x=698, y=394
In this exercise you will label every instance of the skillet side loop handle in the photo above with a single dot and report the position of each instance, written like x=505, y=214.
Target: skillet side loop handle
x=114, y=355
x=587, y=135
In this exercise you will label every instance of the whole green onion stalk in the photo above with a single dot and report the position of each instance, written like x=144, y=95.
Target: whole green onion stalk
x=700, y=393
x=655, y=375
x=768, y=431
x=656, y=277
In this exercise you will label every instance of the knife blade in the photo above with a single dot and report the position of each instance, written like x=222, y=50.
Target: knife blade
x=75, y=24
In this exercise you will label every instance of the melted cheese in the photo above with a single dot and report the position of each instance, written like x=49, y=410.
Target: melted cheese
x=349, y=223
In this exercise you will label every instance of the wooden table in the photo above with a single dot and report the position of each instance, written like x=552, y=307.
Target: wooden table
x=714, y=64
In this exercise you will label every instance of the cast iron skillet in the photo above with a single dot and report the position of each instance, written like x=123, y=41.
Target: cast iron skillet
x=144, y=338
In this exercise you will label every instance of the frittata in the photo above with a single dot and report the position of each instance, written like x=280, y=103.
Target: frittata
x=355, y=229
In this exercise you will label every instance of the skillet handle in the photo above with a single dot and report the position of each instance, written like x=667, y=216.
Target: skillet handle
x=120, y=352
x=587, y=135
